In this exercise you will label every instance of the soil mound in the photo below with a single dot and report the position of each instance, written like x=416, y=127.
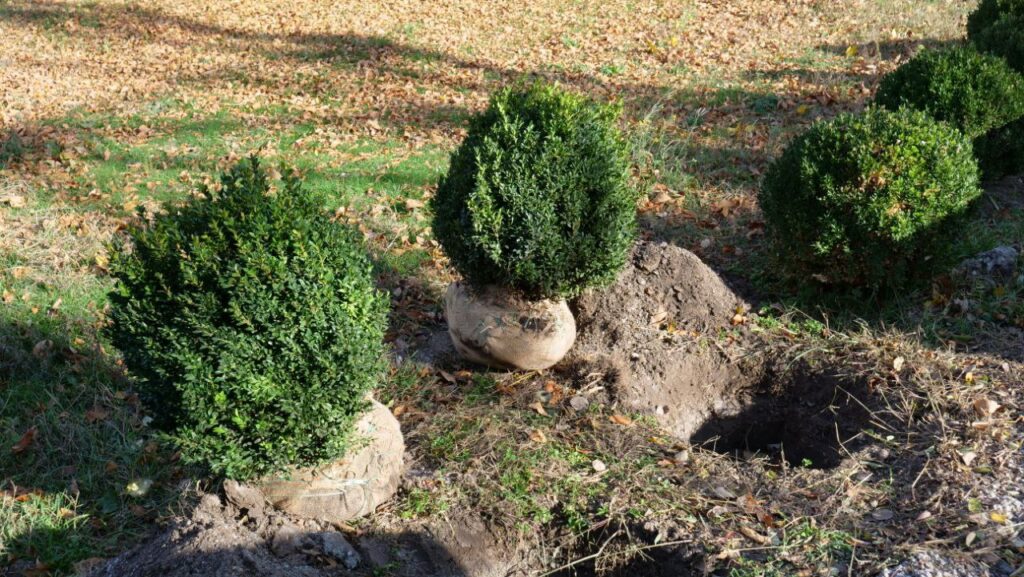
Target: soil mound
x=243, y=536
x=656, y=334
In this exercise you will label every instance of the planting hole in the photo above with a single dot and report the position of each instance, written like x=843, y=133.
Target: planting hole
x=810, y=420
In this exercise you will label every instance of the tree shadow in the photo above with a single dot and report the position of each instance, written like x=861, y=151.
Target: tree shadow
x=74, y=440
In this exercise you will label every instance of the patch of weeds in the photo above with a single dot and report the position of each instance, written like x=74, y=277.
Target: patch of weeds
x=12, y=149
x=455, y=442
x=765, y=104
x=611, y=69
x=660, y=155
x=805, y=548
x=421, y=503
x=482, y=389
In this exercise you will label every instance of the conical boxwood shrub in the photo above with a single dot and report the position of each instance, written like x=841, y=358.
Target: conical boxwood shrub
x=868, y=200
x=252, y=324
x=538, y=198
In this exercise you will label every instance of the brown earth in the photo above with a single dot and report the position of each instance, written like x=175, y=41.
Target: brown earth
x=240, y=535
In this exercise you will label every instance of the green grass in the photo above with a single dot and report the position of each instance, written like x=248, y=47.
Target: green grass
x=820, y=549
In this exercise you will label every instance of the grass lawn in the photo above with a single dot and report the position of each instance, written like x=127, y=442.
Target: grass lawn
x=111, y=107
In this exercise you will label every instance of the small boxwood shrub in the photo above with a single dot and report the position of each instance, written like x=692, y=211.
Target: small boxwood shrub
x=973, y=91
x=538, y=197
x=252, y=324
x=867, y=200
x=990, y=11
x=1004, y=38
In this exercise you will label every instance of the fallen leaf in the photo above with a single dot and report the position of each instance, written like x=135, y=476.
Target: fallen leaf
x=26, y=440
x=985, y=407
x=412, y=203
x=138, y=487
x=96, y=414
x=539, y=408
x=42, y=348
x=538, y=436
x=882, y=514
x=449, y=377
x=998, y=517
x=621, y=420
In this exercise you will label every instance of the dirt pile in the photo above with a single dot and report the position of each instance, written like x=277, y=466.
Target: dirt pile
x=673, y=340
x=242, y=536
x=657, y=334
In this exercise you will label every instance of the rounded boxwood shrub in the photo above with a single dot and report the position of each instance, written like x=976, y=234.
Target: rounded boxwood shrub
x=538, y=197
x=973, y=91
x=868, y=200
x=990, y=11
x=252, y=324
x=1004, y=38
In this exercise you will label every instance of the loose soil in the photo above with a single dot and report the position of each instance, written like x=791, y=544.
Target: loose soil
x=667, y=337
x=240, y=535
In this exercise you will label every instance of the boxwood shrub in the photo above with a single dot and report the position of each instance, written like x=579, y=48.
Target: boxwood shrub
x=538, y=197
x=868, y=200
x=973, y=91
x=252, y=324
x=990, y=11
x=1004, y=38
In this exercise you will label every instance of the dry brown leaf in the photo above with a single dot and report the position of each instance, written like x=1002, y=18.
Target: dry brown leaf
x=96, y=414
x=25, y=441
x=985, y=407
x=621, y=420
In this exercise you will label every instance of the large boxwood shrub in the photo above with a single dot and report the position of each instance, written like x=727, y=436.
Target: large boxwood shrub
x=538, y=197
x=1004, y=38
x=252, y=324
x=990, y=11
x=867, y=200
x=973, y=91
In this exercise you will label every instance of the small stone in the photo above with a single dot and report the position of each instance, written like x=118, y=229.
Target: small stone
x=335, y=545
x=682, y=457
x=286, y=541
x=579, y=403
x=1000, y=262
x=599, y=466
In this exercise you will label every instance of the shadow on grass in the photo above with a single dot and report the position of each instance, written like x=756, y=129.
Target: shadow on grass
x=77, y=443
